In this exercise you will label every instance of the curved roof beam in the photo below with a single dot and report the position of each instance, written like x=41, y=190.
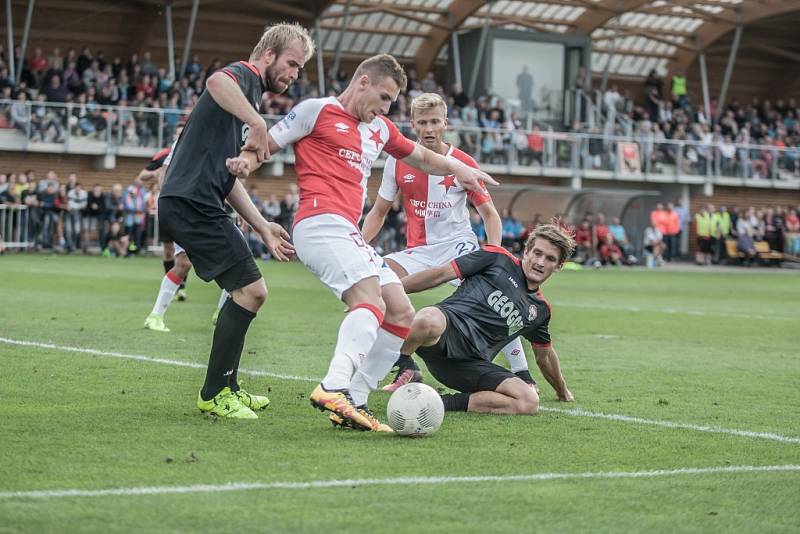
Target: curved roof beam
x=599, y=13
x=457, y=12
x=709, y=33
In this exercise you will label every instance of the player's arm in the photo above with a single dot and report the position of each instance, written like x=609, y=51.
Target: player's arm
x=547, y=360
x=274, y=236
x=430, y=162
x=429, y=278
x=491, y=223
x=146, y=175
x=374, y=220
x=229, y=96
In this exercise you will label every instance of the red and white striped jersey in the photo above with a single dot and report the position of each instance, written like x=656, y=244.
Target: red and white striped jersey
x=435, y=206
x=334, y=153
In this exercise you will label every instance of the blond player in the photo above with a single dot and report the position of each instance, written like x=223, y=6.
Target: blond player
x=437, y=218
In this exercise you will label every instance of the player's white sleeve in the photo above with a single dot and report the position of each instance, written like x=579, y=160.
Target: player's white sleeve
x=388, y=189
x=298, y=123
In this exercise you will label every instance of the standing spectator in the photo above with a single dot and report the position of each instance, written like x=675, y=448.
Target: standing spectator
x=94, y=217
x=512, y=230
x=659, y=220
x=77, y=200
x=679, y=88
x=720, y=231
x=135, y=213
x=672, y=233
x=478, y=228
x=685, y=220
x=47, y=202
x=792, y=233
x=773, y=229
x=583, y=242
x=702, y=220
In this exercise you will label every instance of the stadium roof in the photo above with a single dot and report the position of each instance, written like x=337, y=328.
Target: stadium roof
x=629, y=36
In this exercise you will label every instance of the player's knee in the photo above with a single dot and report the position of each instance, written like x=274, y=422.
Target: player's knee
x=257, y=293
x=426, y=322
x=182, y=265
x=528, y=402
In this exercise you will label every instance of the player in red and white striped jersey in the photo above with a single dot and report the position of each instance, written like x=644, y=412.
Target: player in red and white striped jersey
x=336, y=142
x=437, y=217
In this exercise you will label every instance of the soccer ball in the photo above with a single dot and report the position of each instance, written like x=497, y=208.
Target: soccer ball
x=415, y=410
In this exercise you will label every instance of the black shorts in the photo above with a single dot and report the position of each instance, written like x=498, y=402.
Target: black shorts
x=704, y=244
x=217, y=249
x=468, y=375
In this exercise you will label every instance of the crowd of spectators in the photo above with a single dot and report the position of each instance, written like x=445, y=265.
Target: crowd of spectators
x=713, y=137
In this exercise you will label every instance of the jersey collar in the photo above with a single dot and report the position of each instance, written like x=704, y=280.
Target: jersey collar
x=264, y=86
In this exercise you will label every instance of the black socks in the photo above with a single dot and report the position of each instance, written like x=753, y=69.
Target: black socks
x=455, y=402
x=226, y=349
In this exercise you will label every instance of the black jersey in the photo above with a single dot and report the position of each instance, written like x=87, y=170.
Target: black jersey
x=493, y=305
x=197, y=169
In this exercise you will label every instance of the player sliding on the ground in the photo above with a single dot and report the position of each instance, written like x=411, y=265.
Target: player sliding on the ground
x=437, y=217
x=191, y=209
x=336, y=142
x=500, y=298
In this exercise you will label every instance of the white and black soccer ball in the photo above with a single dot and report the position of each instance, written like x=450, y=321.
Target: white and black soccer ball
x=415, y=410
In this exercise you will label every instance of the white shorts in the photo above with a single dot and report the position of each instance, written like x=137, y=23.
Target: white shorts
x=333, y=249
x=417, y=259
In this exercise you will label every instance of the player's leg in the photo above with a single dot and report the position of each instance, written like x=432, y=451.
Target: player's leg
x=406, y=369
x=515, y=354
x=181, y=266
x=223, y=297
x=357, y=334
x=391, y=335
x=512, y=396
x=248, y=293
x=332, y=248
x=427, y=327
x=483, y=386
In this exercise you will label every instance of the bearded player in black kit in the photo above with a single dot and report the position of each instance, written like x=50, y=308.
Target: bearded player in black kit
x=202, y=177
x=500, y=298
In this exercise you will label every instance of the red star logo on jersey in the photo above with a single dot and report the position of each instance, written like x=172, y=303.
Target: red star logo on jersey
x=376, y=136
x=448, y=182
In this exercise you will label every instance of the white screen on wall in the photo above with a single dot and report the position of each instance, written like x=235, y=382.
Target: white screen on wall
x=527, y=73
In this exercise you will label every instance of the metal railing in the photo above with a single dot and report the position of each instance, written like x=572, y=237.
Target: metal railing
x=110, y=129
x=14, y=226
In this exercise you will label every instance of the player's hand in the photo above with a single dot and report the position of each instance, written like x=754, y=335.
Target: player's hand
x=565, y=395
x=277, y=241
x=257, y=141
x=238, y=166
x=474, y=179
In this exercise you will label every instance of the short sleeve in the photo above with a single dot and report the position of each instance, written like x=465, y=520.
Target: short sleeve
x=540, y=337
x=473, y=263
x=242, y=75
x=388, y=189
x=298, y=123
x=398, y=145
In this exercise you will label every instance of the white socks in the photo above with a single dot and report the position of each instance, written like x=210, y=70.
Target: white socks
x=357, y=335
x=377, y=365
x=515, y=355
x=167, y=292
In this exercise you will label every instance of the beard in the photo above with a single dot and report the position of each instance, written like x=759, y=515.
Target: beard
x=275, y=83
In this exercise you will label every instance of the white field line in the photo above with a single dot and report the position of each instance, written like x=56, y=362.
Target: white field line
x=672, y=311
x=400, y=481
x=564, y=411
x=151, y=359
x=577, y=412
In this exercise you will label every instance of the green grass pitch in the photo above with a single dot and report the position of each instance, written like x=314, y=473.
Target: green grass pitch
x=713, y=351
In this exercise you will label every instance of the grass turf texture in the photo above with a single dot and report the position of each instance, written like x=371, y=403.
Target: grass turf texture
x=704, y=348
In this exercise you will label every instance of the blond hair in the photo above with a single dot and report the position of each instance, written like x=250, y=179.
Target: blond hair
x=427, y=101
x=281, y=36
x=561, y=237
x=382, y=66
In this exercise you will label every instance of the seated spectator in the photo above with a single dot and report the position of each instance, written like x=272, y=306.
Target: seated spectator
x=610, y=253
x=793, y=233
x=512, y=231
x=745, y=242
x=478, y=228
x=118, y=242
x=599, y=231
x=19, y=114
x=621, y=239
x=654, y=247
x=583, y=241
